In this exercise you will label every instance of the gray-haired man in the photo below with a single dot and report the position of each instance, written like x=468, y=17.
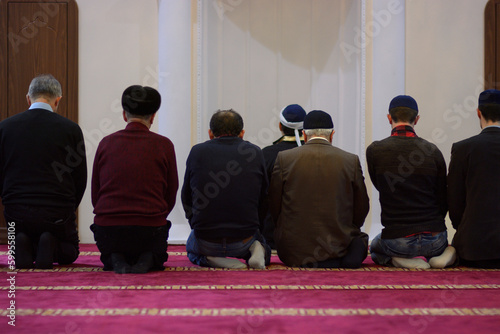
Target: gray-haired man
x=43, y=177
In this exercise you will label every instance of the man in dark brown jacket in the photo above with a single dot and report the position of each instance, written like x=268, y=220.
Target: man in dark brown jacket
x=319, y=202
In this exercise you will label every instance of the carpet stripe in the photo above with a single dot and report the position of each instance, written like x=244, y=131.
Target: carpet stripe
x=262, y=287
x=99, y=253
x=268, y=312
x=273, y=267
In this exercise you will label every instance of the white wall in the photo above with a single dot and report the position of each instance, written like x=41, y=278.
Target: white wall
x=118, y=47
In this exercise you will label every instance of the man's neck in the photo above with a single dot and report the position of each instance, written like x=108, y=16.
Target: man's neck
x=318, y=137
x=139, y=120
x=489, y=123
x=394, y=124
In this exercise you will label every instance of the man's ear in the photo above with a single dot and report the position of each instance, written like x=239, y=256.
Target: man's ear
x=56, y=102
x=416, y=120
x=242, y=133
x=389, y=118
x=210, y=134
x=125, y=116
x=28, y=100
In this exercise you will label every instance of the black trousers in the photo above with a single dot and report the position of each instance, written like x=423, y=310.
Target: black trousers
x=61, y=222
x=356, y=254
x=132, y=241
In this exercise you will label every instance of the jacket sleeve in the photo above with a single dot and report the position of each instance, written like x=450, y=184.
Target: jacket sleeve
x=361, y=200
x=172, y=179
x=441, y=184
x=79, y=173
x=369, y=163
x=186, y=192
x=276, y=190
x=456, y=186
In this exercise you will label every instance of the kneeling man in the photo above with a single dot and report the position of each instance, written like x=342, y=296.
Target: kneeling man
x=223, y=195
x=319, y=202
x=134, y=184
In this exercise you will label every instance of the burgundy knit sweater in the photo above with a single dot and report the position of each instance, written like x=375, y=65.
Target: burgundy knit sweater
x=134, y=178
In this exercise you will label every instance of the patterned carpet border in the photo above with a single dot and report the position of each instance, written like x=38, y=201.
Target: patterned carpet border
x=262, y=287
x=277, y=267
x=270, y=312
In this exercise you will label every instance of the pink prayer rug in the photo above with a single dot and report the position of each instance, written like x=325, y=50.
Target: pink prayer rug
x=184, y=298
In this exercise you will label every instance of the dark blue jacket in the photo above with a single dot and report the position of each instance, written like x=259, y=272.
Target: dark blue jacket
x=225, y=188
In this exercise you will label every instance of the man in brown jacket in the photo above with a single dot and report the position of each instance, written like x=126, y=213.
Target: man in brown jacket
x=319, y=202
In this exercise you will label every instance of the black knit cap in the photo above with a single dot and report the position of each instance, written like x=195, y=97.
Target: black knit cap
x=318, y=119
x=142, y=101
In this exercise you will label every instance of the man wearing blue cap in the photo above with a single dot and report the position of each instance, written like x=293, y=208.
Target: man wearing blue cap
x=474, y=189
x=410, y=175
x=319, y=202
x=291, y=125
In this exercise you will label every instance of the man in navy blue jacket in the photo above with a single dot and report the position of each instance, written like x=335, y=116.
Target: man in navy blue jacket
x=223, y=195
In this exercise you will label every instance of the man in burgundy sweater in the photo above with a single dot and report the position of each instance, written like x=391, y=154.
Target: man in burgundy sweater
x=134, y=185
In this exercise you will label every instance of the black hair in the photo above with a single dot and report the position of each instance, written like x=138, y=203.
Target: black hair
x=490, y=112
x=226, y=123
x=403, y=114
x=289, y=132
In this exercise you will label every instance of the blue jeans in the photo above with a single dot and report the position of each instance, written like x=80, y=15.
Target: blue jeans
x=423, y=244
x=198, y=249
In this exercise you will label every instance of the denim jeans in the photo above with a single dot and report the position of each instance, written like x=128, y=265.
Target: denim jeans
x=198, y=249
x=423, y=244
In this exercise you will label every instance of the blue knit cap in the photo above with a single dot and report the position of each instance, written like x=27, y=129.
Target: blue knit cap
x=490, y=96
x=403, y=101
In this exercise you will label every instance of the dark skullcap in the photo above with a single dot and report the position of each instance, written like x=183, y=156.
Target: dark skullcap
x=318, y=119
x=404, y=101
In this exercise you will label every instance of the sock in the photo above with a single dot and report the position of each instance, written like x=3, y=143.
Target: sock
x=413, y=263
x=257, y=259
x=46, y=249
x=24, y=251
x=224, y=262
x=448, y=257
x=120, y=265
x=143, y=264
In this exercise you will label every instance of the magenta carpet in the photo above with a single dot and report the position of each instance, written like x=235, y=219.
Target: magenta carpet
x=184, y=298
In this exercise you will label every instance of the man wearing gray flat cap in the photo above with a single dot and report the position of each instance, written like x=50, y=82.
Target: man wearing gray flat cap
x=319, y=202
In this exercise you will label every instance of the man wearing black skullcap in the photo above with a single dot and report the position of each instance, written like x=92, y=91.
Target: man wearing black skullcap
x=410, y=175
x=319, y=202
x=223, y=195
x=134, y=184
x=43, y=176
x=291, y=125
x=474, y=189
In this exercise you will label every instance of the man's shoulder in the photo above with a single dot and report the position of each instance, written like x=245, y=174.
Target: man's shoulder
x=401, y=142
x=467, y=141
x=40, y=116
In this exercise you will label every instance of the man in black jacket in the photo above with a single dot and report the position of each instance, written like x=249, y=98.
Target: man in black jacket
x=43, y=175
x=223, y=195
x=474, y=189
x=410, y=175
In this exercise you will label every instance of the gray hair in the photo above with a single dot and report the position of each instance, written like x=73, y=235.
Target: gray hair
x=325, y=133
x=44, y=85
